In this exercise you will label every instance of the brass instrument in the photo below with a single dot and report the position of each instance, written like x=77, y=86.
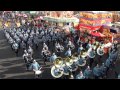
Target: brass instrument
x=81, y=62
x=56, y=72
x=68, y=61
x=100, y=51
x=57, y=68
x=84, y=54
x=58, y=62
x=74, y=57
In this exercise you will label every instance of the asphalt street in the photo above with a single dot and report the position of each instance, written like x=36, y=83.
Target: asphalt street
x=12, y=67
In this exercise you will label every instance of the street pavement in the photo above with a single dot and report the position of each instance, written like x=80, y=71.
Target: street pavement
x=12, y=67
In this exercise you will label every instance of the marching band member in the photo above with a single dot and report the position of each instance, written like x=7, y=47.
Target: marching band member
x=89, y=45
x=45, y=46
x=53, y=57
x=29, y=42
x=25, y=57
x=30, y=51
x=103, y=69
x=91, y=56
x=97, y=72
x=108, y=64
x=18, y=41
x=100, y=52
x=80, y=49
x=68, y=52
x=25, y=39
x=45, y=54
x=69, y=43
x=88, y=73
x=36, y=41
x=59, y=48
x=15, y=47
x=35, y=67
x=66, y=71
x=113, y=55
x=81, y=60
x=23, y=45
x=80, y=76
x=11, y=41
x=73, y=68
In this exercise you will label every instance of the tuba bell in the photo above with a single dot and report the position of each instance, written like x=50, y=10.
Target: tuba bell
x=81, y=62
x=100, y=51
x=74, y=57
x=56, y=72
x=68, y=61
x=58, y=62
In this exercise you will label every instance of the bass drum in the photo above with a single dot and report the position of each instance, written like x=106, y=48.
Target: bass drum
x=56, y=72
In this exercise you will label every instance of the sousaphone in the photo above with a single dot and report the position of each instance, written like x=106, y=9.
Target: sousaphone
x=58, y=62
x=74, y=57
x=68, y=61
x=83, y=54
x=100, y=51
x=81, y=62
x=56, y=72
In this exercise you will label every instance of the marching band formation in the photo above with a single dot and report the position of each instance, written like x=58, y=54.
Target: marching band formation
x=71, y=58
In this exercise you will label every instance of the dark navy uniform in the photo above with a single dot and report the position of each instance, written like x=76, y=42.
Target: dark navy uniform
x=88, y=73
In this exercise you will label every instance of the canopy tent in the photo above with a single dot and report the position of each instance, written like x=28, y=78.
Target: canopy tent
x=61, y=19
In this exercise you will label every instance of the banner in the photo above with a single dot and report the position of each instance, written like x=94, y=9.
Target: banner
x=95, y=22
x=89, y=27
